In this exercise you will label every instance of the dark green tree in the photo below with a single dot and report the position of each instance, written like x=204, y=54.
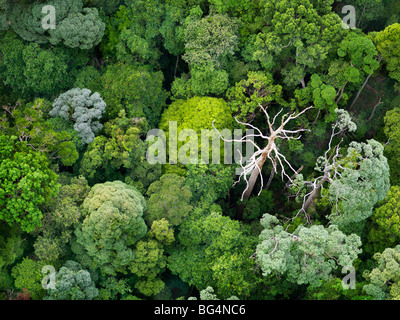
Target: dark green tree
x=209, y=183
x=169, y=198
x=29, y=124
x=60, y=218
x=119, y=154
x=391, y=129
x=126, y=87
x=33, y=70
x=12, y=247
x=213, y=250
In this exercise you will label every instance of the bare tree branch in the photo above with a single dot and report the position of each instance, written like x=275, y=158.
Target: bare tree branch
x=256, y=161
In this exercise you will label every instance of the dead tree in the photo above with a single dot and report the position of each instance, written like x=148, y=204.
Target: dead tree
x=327, y=164
x=252, y=169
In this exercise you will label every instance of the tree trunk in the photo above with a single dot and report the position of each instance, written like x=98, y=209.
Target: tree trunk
x=250, y=186
x=373, y=111
x=341, y=91
x=271, y=176
x=176, y=65
x=254, y=175
x=359, y=91
x=313, y=195
x=364, y=84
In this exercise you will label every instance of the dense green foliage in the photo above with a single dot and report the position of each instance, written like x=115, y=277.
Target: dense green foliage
x=113, y=223
x=82, y=95
x=72, y=283
x=26, y=183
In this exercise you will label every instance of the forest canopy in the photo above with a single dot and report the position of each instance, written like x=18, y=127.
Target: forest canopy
x=199, y=149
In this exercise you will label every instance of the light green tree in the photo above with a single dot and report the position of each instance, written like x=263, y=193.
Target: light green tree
x=149, y=262
x=321, y=95
x=195, y=114
x=169, y=198
x=384, y=227
x=113, y=224
x=391, y=129
x=162, y=231
x=28, y=274
x=306, y=256
x=83, y=30
x=387, y=42
x=72, y=283
x=82, y=107
x=26, y=182
x=363, y=181
x=384, y=278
